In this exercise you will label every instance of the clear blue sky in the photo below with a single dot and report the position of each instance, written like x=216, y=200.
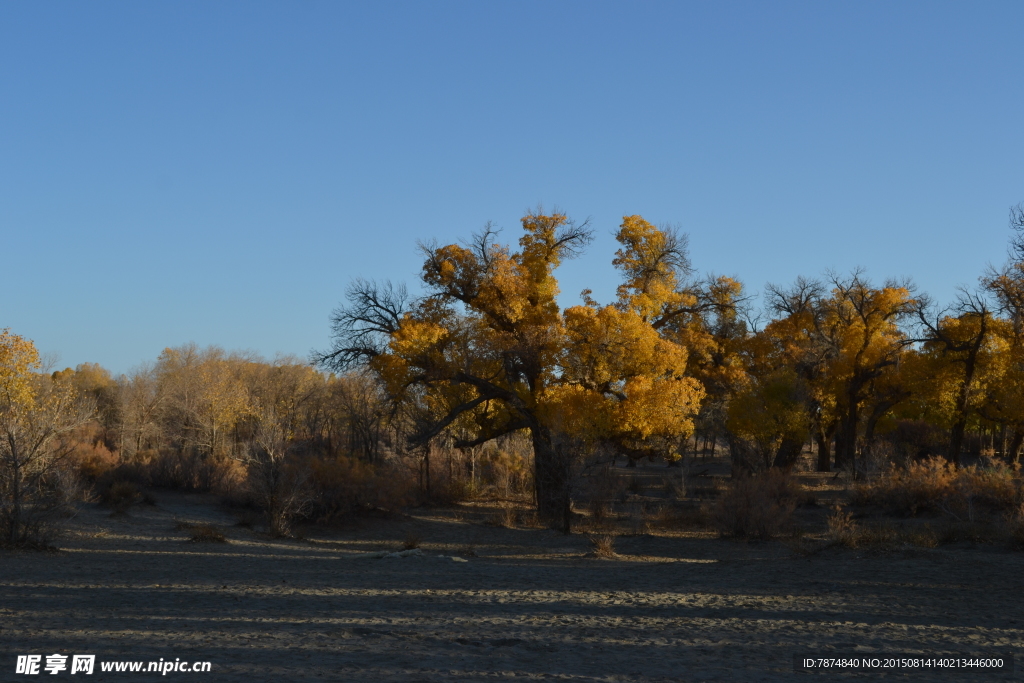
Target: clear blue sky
x=218, y=171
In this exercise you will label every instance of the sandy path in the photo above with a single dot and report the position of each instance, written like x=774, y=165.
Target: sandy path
x=531, y=606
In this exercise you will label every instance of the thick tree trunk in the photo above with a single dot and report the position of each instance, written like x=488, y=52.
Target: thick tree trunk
x=788, y=453
x=426, y=468
x=846, y=442
x=956, y=437
x=1013, y=452
x=550, y=477
x=824, y=442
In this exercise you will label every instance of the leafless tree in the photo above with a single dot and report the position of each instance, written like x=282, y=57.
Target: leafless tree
x=276, y=486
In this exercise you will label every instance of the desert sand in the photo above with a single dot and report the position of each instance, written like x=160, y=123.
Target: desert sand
x=516, y=604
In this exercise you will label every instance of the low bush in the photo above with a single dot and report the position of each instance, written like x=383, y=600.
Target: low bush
x=880, y=535
x=48, y=500
x=195, y=471
x=934, y=485
x=758, y=506
x=120, y=496
x=341, y=486
x=603, y=546
x=93, y=460
x=1013, y=524
x=841, y=527
x=505, y=518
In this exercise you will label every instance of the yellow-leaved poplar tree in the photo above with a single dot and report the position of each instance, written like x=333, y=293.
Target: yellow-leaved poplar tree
x=35, y=412
x=488, y=346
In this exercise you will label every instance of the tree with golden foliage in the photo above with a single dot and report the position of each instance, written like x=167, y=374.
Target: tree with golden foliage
x=489, y=345
x=842, y=339
x=36, y=411
x=963, y=351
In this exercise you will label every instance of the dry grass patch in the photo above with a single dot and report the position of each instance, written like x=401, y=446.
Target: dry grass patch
x=202, y=533
x=505, y=518
x=881, y=535
x=969, y=532
x=603, y=546
x=841, y=527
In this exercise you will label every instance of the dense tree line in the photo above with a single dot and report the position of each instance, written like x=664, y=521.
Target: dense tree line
x=485, y=363
x=862, y=371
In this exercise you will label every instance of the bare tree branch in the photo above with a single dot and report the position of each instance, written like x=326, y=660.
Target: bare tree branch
x=360, y=330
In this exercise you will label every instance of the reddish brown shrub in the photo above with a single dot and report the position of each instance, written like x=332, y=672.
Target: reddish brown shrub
x=340, y=486
x=934, y=485
x=759, y=506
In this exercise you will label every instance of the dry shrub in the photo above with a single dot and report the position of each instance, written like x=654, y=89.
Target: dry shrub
x=682, y=516
x=994, y=484
x=957, y=531
x=456, y=491
x=841, y=527
x=529, y=519
x=279, y=489
x=703, y=488
x=934, y=485
x=411, y=542
x=507, y=470
x=121, y=487
x=341, y=486
x=247, y=519
x=759, y=506
x=604, y=546
x=195, y=471
x=93, y=459
x=843, y=530
x=48, y=500
x=504, y=518
x=675, y=487
x=660, y=517
x=120, y=496
x=202, y=533
x=1013, y=525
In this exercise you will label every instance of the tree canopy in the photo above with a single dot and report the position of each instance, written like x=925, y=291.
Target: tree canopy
x=489, y=345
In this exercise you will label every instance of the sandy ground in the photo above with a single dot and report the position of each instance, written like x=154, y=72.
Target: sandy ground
x=530, y=605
